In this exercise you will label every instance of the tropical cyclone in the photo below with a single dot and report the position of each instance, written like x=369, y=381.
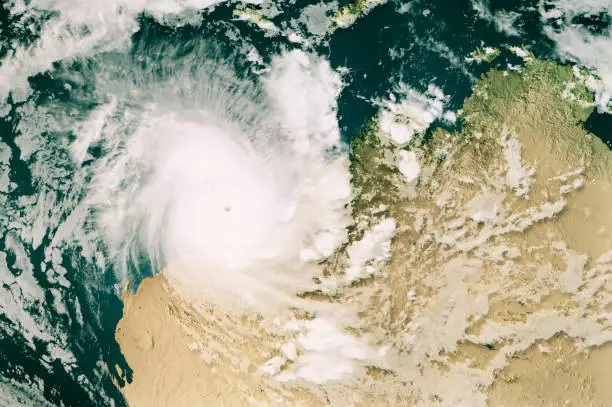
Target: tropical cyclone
x=484, y=278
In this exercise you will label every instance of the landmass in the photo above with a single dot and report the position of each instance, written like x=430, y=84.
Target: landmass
x=478, y=272
x=347, y=15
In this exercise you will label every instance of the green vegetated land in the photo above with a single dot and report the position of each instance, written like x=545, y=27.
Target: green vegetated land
x=543, y=95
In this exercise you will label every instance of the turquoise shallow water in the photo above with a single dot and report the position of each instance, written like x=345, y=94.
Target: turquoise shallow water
x=428, y=43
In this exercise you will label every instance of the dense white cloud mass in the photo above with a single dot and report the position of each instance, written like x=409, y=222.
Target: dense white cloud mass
x=576, y=43
x=235, y=184
x=179, y=160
